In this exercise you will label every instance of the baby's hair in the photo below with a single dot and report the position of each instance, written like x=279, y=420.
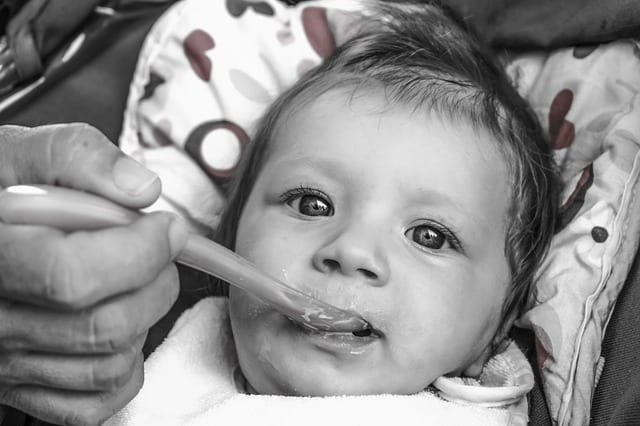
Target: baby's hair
x=421, y=55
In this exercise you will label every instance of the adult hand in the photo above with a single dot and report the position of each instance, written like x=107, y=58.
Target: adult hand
x=75, y=308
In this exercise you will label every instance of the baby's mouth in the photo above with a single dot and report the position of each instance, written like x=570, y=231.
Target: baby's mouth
x=368, y=332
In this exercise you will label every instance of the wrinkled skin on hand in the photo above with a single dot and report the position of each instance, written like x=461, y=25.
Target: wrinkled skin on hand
x=75, y=308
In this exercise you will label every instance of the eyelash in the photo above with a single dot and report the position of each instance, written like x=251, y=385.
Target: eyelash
x=301, y=190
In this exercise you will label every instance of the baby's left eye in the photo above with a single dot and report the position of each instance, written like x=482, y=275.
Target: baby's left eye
x=427, y=236
x=311, y=205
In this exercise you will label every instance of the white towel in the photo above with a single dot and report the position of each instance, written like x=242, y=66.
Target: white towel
x=189, y=381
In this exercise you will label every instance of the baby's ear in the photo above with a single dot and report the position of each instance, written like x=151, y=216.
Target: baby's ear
x=502, y=334
x=475, y=368
x=497, y=345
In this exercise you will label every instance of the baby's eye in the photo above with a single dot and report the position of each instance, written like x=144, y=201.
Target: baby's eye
x=311, y=205
x=427, y=236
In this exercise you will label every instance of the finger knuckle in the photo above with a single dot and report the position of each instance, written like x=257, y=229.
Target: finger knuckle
x=84, y=134
x=90, y=416
x=10, y=369
x=152, y=230
x=61, y=145
x=115, y=372
x=5, y=395
x=86, y=139
x=12, y=397
x=11, y=337
x=110, y=328
x=12, y=134
x=81, y=141
x=107, y=404
x=31, y=400
x=66, y=281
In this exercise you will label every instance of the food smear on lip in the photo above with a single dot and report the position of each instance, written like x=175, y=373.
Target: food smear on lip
x=318, y=315
x=328, y=318
x=368, y=331
x=312, y=316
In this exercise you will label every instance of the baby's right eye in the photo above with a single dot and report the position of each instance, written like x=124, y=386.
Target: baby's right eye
x=308, y=202
x=428, y=236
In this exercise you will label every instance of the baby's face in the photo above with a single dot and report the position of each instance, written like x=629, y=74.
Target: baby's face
x=397, y=215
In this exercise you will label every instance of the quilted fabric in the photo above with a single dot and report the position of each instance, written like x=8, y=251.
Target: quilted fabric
x=207, y=72
x=587, y=98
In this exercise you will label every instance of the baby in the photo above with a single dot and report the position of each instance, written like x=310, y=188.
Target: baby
x=403, y=179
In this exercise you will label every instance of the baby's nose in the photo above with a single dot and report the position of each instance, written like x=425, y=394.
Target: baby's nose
x=353, y=256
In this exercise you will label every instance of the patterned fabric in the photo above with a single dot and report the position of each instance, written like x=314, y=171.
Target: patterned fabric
x=207, y=71
x=588, y=99
x=210, y=68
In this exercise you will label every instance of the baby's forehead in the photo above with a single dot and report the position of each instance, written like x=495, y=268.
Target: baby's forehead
x=398, y=133
x=371, y=98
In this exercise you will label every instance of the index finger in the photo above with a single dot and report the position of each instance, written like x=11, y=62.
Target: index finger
x=45, y=266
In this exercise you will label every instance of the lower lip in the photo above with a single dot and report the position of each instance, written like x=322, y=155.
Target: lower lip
x=338, y=341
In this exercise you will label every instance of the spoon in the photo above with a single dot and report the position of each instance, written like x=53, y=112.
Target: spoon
x=72, y=210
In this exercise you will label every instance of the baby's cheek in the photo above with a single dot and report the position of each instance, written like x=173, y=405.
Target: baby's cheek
x=245, y=309
x=246, y=313
x=269, y=250
x=260, y=351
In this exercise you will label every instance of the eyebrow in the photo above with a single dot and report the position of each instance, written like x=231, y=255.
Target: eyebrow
x=325, y=166
x=433, y=196
x=330, y=169
x=439, y=199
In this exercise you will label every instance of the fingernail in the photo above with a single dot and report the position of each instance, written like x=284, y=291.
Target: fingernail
x=178, y=233
x=132, y=177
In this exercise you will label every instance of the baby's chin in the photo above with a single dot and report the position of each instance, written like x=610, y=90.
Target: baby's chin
x=321, y=384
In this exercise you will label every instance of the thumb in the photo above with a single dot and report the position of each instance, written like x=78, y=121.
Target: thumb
x=77, y=156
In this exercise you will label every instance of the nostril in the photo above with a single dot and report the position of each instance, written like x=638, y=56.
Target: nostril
x=331, y=265
x=367, y=273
